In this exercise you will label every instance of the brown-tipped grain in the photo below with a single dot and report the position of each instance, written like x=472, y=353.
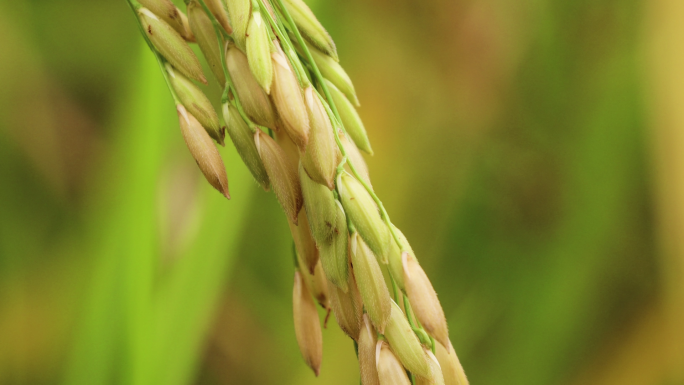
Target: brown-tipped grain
x=258, y=48
x=371, y=283
x=282, y=174
x=243, y=139
x=310, y=27
x=423, y=299
x=307, y=325
x=319, y=159
x=203, y=29
x=368, y=340
x=197, y=104
x=219, y=11
x=203, y=150
x=390, y=370
x=254, y=99
x=289, y=101
x=405, y=344
x=451, y=366
x=364, y=214
x=171, y=45
x=166, y=11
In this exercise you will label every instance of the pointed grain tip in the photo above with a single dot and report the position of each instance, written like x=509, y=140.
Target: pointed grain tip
x=222, y=136
x=203, y=150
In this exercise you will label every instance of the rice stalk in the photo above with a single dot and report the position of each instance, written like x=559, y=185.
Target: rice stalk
x=291, y=113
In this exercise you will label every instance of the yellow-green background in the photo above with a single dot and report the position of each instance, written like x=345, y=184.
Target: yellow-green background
x=532, y=151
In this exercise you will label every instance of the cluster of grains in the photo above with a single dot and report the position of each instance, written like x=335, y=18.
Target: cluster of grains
x=290, y=110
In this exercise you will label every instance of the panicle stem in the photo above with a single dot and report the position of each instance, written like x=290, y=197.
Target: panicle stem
x=280, y=25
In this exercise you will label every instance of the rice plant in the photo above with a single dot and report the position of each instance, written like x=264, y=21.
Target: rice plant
x=289, y=108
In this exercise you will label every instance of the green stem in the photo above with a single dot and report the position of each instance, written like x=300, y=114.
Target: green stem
x=340, y=167
x=415, y=326
x=350, y=225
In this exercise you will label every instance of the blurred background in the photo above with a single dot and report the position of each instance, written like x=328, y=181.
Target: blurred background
x=531, y=151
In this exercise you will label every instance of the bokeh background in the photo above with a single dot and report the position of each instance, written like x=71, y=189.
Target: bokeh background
x=532, y=151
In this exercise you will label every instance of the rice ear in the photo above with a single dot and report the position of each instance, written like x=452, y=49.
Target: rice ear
x=368, y=340
x=374, y=292
x=258, y=48
x=405, y=344
x=423, y=299
x=450, y=364
x=390, y=370
x=321, y=209
x=307, y=325
x=288, y=99
x=217, y=8
x=253, y=98
x=319, y=158
x=311, y=28
x=243, y=139
x=203, y=29
x=171, y=45
x=364, y=214
x=197, y=104
x=203, y=150
x=239, y=12
x=350, y=118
